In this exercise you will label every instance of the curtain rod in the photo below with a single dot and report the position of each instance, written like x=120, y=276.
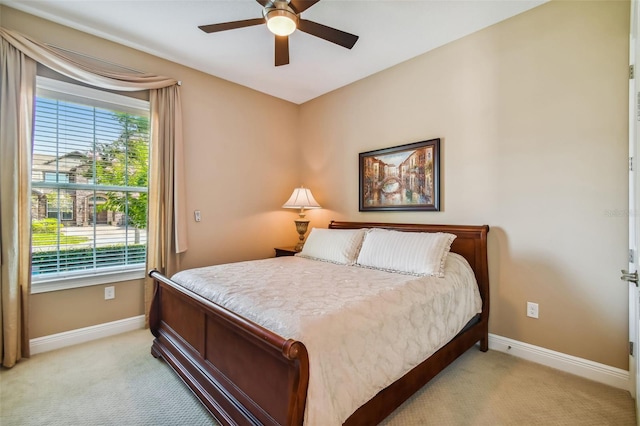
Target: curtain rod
x=93, y=58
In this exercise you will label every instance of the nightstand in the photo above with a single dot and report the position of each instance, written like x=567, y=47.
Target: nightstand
x=285, y=251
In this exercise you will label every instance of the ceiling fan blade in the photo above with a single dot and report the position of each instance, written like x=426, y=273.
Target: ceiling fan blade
x=327, y=33
x=282, y=50
x=214, y=28
x=301, y=5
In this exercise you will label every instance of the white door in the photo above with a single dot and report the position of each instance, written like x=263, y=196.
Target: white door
x=634, y=213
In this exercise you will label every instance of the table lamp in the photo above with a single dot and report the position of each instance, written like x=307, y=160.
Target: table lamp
x=301, y=199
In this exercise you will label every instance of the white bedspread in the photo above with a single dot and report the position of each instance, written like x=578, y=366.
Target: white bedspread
x=363, y=328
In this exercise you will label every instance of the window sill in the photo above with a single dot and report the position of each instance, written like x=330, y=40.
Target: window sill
x=77, y=281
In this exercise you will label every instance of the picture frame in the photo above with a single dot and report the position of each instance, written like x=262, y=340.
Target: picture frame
x=401, y=178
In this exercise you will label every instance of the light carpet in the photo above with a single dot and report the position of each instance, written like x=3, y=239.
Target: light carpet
x=116, y=381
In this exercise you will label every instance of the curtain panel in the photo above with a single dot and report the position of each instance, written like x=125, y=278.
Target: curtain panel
x=17, y=81
x=166, y=191
x=167, y=221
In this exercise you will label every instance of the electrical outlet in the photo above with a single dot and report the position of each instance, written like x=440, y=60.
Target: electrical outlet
x=532, y=310
x=109, y=293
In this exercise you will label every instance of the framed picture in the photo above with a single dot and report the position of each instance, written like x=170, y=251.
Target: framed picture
x=405, y=177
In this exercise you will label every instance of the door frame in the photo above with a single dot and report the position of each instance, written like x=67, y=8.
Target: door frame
x=634, y=213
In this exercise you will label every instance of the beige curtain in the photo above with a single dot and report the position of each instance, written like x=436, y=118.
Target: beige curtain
x=166, y=163
x=17, y=79
x=86, y=72
x=167, y=223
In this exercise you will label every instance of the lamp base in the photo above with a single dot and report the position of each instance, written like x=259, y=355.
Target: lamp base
x=301, y=226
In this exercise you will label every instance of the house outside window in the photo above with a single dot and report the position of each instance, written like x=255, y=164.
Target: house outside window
x=89, y=186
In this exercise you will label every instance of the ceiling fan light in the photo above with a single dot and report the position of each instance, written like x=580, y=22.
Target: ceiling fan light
x=281, y=22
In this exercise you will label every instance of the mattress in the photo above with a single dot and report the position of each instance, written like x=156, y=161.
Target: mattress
x=363, y=328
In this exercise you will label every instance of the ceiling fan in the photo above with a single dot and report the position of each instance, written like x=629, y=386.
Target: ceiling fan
x=283, y=18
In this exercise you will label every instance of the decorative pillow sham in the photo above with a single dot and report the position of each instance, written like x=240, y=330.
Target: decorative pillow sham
x=333, y=245
x=416, y=253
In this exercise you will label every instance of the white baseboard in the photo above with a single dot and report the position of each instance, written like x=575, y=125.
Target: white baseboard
x=579, y=366
x=81, y=335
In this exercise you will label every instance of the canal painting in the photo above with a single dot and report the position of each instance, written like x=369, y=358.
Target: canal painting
x=404, y=177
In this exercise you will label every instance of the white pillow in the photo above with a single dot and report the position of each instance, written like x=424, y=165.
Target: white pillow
x=333, y=245
x=417, y=253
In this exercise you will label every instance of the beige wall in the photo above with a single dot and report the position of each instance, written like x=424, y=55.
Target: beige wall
x=65, y=310
x=241, y=166
x=532, y=113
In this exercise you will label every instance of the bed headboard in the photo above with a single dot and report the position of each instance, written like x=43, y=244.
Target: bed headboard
x=470, y=242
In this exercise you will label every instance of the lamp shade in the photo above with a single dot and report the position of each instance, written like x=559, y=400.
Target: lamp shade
x=301, y=199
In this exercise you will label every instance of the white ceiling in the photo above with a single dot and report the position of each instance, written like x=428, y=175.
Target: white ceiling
x=391, y=31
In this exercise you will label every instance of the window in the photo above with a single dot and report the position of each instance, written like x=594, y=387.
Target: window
x=59, y=204
x=52, y=177
x=89, y=186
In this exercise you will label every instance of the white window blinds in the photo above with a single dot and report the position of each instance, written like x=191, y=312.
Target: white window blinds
x=89, y=182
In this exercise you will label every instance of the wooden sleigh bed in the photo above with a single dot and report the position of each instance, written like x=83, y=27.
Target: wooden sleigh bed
x=246, y=374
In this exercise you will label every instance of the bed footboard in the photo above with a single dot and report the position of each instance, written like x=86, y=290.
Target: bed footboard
x=242, y=373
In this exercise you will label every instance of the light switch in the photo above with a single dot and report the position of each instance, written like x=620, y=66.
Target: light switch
x=196, y=215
